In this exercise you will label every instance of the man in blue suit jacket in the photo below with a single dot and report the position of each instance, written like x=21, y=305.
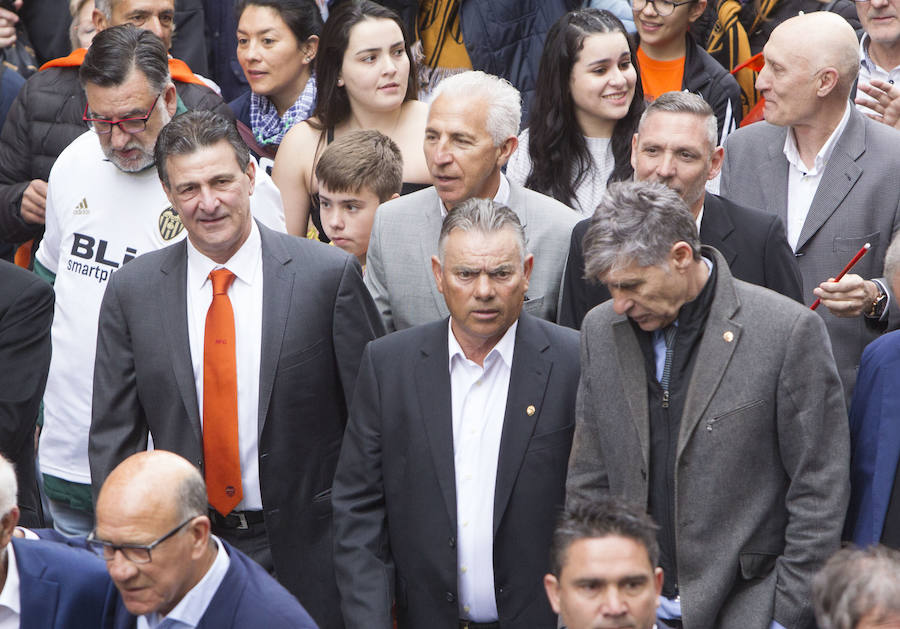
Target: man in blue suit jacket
x=45, y=585
x=166, y=565
x=874, y=513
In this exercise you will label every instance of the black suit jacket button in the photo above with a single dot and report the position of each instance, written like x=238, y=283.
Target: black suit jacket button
x=451, y=598
x=452, y=542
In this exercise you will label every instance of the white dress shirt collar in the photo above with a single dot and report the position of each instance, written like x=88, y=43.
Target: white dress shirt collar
x=243, y=263
x=10, y=605
x=190, y=609
x=792, y=153
x=501, y=197
x=504, y=347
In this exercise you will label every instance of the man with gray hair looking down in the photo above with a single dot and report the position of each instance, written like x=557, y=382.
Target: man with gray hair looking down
x=715, y=403
x=453, y=464
x=470, y=134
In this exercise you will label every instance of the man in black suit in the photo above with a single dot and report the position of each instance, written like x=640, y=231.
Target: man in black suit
x=26, y=311
x=299, y=319
x=676, y=145
x=453, y=465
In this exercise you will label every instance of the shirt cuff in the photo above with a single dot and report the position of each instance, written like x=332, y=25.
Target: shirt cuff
x=887, y=302
x=776, y=625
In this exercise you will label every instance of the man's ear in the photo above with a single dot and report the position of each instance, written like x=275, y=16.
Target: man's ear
x=551, y=586
x=251, y=173
x=170, y=99
x=681, y=255
x=99, y=20
x=508, y=147
x=828, y=80
x=715, y=163
x=438, y=276
x=634, y=147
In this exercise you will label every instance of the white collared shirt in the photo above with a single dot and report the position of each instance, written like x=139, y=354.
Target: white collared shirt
x=190, y=609
x=246, y=295
x=479, y=404
x=869, y=70
x=10, y=605
x=803, y=181
x=502, y=196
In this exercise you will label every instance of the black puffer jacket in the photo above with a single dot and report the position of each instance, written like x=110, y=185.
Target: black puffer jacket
x=43, y=120
x=704, y=76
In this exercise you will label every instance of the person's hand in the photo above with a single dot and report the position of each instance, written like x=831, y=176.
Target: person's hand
x=8, y=21
x=884, y=101
x=850, y=297
x=34, y=202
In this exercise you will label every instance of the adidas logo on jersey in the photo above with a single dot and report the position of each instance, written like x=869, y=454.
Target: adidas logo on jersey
x=82, y=208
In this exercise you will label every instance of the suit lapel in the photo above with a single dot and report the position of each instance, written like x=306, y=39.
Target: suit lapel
x=716, y=228
x=173, y=286
x=38, y=597
x=633, y=376
x=840, y=175
x=433, y=390
x=720, y=338
x=527, y=385
x=428, y=246
x=278, y=285
x=773, y=178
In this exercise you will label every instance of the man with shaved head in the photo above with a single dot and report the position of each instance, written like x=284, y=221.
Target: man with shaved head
x=154, y=533
x=824, y=168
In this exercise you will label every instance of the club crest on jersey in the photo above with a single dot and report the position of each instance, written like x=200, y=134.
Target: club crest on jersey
x=169, y=224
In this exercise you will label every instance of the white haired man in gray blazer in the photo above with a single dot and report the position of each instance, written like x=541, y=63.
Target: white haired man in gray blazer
x=715, y=403
x=470, y=135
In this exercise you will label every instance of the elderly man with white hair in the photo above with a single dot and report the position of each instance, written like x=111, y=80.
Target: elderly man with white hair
x=470, y=134
x=43, y=583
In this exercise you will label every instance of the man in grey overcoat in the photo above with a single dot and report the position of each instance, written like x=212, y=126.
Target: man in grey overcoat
x=717, y=405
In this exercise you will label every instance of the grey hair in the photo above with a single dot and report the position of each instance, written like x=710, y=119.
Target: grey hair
x=685, y=103
x=191, y=495
x=892, y=262
x=105, y=7
x=485, y=216
x=636, y=223
x=189, y=132
x=856, y=582
x=503, y=101
x=8, y=487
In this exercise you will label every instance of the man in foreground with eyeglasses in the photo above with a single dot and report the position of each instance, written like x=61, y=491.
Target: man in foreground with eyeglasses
x=671, y=61
x=105, y=206
x=153, y=532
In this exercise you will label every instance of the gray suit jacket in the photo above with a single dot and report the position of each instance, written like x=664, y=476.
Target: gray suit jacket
x=761, y=467
x=317, y=319
x=405, y=236
x=854, y=204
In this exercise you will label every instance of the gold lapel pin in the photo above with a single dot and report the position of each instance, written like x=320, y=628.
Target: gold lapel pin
x=728, y=336
x=530, y=410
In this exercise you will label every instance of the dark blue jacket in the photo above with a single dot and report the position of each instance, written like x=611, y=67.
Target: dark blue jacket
x=60, y=587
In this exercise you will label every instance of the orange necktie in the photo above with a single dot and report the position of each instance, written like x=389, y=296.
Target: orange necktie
x=220, y=417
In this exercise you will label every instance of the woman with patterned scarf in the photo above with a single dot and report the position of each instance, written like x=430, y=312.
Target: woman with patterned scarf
x=277, y=42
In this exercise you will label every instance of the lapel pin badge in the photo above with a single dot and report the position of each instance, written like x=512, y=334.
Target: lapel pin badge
x=530, y=410
x=728, y=336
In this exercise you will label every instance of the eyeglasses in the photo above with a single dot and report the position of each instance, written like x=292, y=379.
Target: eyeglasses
x=135, y=553
x=128, y=125
x=663, y=8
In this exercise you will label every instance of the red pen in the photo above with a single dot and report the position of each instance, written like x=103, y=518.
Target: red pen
x=859, y=254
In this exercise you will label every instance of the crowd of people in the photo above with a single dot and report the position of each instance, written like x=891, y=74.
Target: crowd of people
x=471, y=314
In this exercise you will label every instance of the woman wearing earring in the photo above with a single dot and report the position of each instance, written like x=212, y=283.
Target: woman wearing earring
x=366, y=80
x=277, y=43
x=586, y=109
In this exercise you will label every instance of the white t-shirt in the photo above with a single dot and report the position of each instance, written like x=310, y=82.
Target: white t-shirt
x=97, y=219
x=592, y=187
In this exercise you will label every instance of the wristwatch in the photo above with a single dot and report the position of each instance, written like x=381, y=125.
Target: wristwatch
x=878, y=304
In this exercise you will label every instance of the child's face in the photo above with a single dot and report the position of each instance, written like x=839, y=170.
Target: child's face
x=347, y=218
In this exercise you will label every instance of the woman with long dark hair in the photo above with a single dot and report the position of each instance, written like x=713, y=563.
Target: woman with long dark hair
x=366, y=79
x=585, y=111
